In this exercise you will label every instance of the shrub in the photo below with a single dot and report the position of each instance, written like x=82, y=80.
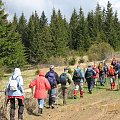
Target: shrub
x=99, y=51
x=72, y=61
x=1, y=71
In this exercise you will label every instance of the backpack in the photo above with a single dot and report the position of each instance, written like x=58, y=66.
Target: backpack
x=111, y=72
x=52, y=79
x=101, y=68
x=13, y=85
x=63, y=78
x=77, y=73
x=89, y=73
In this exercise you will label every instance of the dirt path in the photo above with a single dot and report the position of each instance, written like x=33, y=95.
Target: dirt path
x=100, y=106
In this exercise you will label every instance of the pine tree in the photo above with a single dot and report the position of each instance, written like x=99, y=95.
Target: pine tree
x=22, y=29
x=81, y=31
x=11, y=48
x=73, y=30
x=91, y=26
x=109, y=26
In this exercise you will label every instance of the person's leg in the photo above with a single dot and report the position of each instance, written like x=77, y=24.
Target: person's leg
x=65, y=95
x=111, y=82
x=75, y=90
x=91, y=85
x=53, y=95
x=41, y=105
x=50, y=98
x=88, y=83
x=95, y=82
x=81, y=89
x=12, y=108
x=20, y=109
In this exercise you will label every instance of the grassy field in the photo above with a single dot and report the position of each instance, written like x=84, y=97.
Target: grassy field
x=102, y=96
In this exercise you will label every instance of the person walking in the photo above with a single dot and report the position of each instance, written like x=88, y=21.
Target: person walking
x=15, y=91
x=89, y=78
x=78, y=79
x=65, y=81
x=102, y=73
x=53, y=79
x=41, y=86
x=111, y=74
x=96, y=76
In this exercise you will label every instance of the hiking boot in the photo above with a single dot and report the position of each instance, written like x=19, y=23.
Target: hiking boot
x=75, y=97
x=90, y=92
x=53, y=106
x=40, y=111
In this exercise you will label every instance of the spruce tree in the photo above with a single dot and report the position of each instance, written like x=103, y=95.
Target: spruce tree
x=73, y=30
x=11, y=48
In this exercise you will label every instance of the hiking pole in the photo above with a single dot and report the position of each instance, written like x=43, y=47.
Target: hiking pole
x=58, y=97
x=5, y=104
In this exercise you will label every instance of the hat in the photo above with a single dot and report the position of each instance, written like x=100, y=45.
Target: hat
x=51, y=66
x=65, y=68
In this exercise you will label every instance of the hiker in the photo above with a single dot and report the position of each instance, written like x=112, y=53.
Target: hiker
x=114, y=62
x=106, y=70
x=53, y=79
x=41, y=86
x=95, y=76
x=111, y=74
x=15, y=91
x=78, y=79
x=90, y=72
x=117, y=73
x=65, y=81
x=102, y=73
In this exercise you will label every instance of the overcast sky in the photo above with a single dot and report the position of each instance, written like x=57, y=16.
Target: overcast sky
x=66, y=6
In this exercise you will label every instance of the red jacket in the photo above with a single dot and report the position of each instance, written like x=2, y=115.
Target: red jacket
x=41, y=86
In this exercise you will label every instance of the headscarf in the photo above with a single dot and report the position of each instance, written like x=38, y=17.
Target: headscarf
x=17, y=72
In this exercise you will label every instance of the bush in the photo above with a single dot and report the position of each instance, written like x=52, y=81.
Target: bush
x=1, y=71
x=72, y=61
x=56, y=61
x=99, y=51
x=81, y=60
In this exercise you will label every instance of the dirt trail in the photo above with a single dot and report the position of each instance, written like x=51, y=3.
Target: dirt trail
x=99, y=106
x=102, y=105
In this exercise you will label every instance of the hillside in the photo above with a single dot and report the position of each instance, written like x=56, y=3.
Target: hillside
x=103, y=104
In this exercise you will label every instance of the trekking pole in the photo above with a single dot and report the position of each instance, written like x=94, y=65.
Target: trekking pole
x=58, y=94
x=5, y=104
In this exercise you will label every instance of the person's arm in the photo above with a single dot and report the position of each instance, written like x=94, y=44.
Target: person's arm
x=69, y=78
x=57, y=78
x=21, y=84
x=32, y=83
x=46, y=76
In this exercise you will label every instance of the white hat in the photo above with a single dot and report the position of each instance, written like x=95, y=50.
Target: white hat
x=51, y=66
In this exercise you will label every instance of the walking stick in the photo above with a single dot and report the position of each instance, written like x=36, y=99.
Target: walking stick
x=5, y=105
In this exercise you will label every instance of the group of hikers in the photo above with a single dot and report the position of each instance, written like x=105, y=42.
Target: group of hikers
x=46, y=85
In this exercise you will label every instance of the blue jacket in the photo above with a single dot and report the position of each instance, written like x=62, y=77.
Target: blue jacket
x=17, y=76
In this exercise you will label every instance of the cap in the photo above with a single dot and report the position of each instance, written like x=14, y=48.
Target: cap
x=51, y=66
x=65, y=68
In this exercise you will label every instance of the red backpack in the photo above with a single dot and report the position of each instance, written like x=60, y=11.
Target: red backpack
x=111, y=72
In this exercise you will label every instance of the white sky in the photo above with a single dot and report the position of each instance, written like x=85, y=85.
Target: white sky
x=66, y=6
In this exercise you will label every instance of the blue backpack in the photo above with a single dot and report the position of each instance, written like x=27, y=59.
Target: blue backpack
x=52, y=79
x=89, y=73
x=63, y=78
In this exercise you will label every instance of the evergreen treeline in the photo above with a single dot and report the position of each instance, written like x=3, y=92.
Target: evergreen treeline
x=35, y=41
